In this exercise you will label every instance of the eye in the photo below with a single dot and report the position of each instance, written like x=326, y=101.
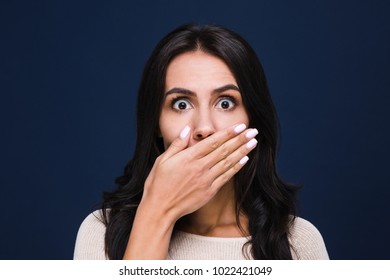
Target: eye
x=226, y=103
x=181, y=104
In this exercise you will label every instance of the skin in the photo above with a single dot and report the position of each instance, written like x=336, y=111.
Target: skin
x=199, y=123
x=191, y=72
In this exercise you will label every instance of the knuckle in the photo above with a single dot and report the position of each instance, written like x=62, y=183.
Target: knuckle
x=176, y=143
x=190, y=155
x=243, y=138
x=214, y=143
x=224, y=151
x=227, y=163
x=209, y=193
x=225, y=177
x=237, y=167
x=230, y=133
x=243, y=151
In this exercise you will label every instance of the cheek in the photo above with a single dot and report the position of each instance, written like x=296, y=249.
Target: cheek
x=170, y=128
x=224, y=120
x=169, y=134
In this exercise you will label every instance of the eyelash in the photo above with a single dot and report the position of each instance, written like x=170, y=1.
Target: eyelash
x=228, y=97
x=174, y=100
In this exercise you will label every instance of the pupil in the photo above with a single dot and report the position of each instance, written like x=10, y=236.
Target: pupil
x=225, y=105
x=182, y=105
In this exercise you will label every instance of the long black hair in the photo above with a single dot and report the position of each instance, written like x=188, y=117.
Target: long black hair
x=260, y=194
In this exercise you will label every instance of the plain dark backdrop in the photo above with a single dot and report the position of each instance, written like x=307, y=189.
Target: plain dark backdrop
x=69, y=76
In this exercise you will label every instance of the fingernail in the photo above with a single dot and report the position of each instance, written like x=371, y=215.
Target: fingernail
x=240, y=128
x=251, y=143
x=184, y=132
x=244, y=160
x=251, y=133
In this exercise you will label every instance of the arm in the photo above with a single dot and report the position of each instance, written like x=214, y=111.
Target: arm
x=150, y=235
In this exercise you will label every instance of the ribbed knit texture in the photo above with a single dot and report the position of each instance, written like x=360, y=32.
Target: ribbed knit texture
x=90, y=238
x=306, y=242
x=198, y=247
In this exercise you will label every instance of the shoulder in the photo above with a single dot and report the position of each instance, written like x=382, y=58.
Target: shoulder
x=306, y=241
x=90, y=237
x=94, y=220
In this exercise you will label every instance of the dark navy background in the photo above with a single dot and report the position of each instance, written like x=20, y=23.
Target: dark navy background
x=69, y=75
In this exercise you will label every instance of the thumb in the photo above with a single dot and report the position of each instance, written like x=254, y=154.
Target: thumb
x=180, y=143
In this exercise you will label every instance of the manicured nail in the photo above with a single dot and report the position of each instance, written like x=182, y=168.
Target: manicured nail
x=184, y=132
x=240, y=128
x=251, y=133
x=244, y=160
x=251, y=143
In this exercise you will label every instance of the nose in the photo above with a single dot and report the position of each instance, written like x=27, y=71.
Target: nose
x=203, y=126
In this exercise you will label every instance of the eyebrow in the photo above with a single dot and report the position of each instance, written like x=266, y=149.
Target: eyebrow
x=190, y=92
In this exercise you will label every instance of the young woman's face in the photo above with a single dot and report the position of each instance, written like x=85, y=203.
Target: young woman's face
x=201, y=92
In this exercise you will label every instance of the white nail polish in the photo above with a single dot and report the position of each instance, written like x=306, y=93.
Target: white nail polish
x=240, y=128
x=244, y=160
x=251, y=133
x=251, y=143
x=184, y=132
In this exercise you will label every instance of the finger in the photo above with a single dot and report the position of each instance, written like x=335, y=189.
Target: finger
x=223, y=178
x=214, y=141
x=179, y=144
x=227, y=148
x=239, y=157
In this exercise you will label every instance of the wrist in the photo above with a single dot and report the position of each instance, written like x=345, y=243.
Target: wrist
x=156, y=214
x=150, y=234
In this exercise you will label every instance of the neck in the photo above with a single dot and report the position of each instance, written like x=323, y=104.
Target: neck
x=217, y=217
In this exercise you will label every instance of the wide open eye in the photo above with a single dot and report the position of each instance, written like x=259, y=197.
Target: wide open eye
x=226, y=103
x=181, y=104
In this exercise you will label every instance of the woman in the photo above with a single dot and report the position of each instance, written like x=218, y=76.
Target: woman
x=200, y=185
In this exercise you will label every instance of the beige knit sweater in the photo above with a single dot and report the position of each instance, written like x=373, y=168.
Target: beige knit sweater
x=306, y=242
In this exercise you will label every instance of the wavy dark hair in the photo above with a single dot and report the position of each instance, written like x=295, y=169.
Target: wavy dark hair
x=260, y=194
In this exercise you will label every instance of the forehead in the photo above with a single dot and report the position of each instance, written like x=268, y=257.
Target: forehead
x=194, y=68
